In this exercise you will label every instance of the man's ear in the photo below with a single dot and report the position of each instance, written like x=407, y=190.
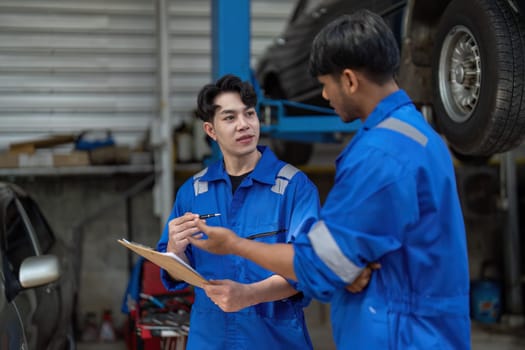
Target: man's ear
x=350, y=80
x=209, y=130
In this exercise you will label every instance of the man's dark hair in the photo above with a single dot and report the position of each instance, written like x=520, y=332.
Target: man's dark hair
x=360, y=41
x=228, y=83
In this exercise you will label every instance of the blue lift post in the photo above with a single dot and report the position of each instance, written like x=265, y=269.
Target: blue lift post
x=230, y=45
x=231, y=32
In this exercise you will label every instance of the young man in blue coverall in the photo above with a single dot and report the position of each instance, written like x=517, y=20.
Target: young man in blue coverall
x=394, y=201
x=261, y=198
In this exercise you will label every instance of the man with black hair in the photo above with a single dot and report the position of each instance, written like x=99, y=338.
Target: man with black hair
x=394, y=201
x=261, y=198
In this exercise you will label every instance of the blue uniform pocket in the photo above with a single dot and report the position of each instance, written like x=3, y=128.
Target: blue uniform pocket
x=267, y=235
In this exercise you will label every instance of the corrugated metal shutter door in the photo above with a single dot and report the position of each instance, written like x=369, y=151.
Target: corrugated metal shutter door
x=71, y=65
x=190, y=45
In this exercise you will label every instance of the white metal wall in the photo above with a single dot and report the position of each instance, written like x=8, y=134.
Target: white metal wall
x=72, y=65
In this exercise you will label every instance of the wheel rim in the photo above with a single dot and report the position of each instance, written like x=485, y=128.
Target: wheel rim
x=459, y=74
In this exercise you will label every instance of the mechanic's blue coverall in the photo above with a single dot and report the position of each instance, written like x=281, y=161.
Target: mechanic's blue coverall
x=394, y=201
x=275, y=197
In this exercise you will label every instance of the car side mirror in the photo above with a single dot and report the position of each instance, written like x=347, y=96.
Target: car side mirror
x=39, y=270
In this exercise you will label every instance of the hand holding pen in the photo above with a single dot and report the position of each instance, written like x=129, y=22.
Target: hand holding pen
x=180, y=228
x=207, y=216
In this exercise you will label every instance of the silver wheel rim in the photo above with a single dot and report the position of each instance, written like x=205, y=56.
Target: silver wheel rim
x=459, y=74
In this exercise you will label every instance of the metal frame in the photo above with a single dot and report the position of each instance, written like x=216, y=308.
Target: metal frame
x=231, y=54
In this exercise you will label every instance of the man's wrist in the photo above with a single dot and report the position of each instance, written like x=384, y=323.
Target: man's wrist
x=171, y=249
x=238, y=246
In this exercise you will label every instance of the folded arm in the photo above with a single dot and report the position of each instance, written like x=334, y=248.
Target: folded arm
x=232, y=296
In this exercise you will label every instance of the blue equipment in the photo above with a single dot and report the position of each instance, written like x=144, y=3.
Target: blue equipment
x=231, y=55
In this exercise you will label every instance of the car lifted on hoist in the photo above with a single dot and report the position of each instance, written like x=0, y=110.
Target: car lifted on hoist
x=463, y=59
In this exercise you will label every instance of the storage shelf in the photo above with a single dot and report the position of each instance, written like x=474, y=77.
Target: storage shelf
x=78, y=170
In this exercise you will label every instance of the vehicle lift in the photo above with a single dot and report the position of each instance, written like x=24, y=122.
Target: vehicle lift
x=231, y=54
x=230, y=28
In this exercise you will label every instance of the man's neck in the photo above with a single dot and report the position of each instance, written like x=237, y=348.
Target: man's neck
x=240, y=165
x=375, y=95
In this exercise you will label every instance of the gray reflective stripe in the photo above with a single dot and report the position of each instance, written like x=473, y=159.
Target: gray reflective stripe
x=288, y=171
x=200, y=186
x=405, y=129
x=283, y=178
x=328, y=251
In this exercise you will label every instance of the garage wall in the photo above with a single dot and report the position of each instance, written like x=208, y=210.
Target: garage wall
x=70, y=65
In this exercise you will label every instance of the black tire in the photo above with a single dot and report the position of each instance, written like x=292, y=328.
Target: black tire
x=480, y=108
x=470, y=160
x=273, y=87
x=479, y=191
x=293, y=152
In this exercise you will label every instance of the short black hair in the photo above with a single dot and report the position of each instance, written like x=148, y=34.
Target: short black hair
x=228, y=83
x=360, y=41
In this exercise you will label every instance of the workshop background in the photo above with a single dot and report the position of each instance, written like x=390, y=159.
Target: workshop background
x=91, y=68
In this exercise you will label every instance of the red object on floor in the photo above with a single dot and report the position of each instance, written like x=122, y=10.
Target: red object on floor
x=141, y=337
x=151, y=282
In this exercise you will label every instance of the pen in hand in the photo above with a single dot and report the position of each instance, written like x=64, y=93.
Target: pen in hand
x=206, y=216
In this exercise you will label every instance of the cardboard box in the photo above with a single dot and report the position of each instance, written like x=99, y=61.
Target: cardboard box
x=110, y=155
x=8, y=160
x=32, y=145
x=75, y=158
x=43, y=159
x=40, y=159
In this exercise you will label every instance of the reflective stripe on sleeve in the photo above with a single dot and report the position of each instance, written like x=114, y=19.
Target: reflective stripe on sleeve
x=200, y=187
x=328, y=251
x=405, y=129
x=283, y=178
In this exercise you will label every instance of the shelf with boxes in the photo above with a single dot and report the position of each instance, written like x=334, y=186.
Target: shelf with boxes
x=71, y=155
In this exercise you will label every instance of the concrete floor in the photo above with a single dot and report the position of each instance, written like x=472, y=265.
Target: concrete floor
x=482, y=339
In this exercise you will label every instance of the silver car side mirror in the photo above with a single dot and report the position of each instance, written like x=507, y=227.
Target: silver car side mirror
x=39, y=270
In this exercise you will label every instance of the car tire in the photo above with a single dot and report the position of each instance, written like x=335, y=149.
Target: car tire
x=478, y=77
x=293, y=152
x=470, y=160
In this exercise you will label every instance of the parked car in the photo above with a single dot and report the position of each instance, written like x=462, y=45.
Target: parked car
x=37, y=286
x=462, y=58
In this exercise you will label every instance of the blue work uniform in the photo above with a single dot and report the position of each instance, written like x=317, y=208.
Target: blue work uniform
x=394, y=201
x=275, y=200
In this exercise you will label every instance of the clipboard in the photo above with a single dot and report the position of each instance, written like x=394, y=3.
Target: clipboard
x=175, y=266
